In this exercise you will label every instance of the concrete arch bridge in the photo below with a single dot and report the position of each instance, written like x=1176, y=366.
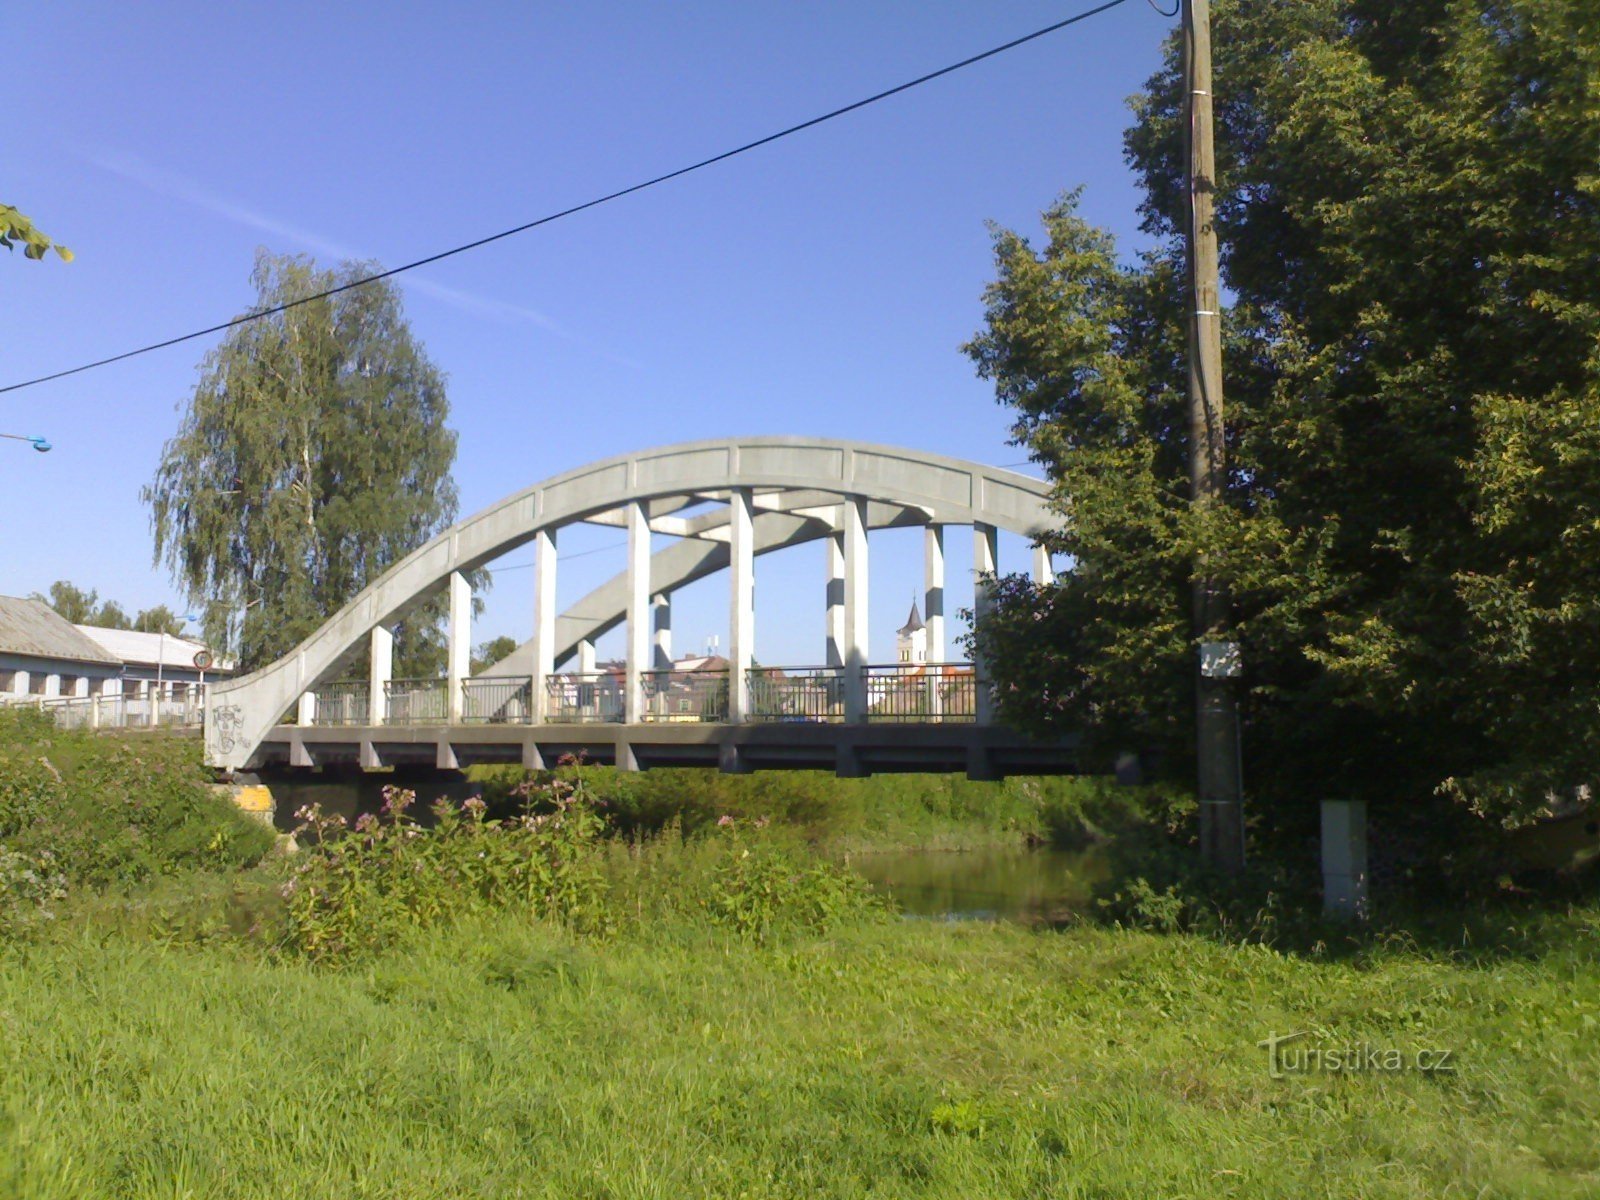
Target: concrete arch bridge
x=722, y=504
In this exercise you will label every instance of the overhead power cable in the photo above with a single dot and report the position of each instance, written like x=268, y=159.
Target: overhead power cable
x=576, y=208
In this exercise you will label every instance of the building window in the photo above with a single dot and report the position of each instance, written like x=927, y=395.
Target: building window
x=69, y=685
x=8, y=682
x=36, y=683
x=905, y=656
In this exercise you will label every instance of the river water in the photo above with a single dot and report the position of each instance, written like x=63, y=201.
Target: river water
x=995, y=883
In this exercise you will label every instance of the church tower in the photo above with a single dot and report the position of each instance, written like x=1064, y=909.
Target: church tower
x=911, y=640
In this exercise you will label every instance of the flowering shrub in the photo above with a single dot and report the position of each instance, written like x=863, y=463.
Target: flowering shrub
x=360, y=888
x=29, y=884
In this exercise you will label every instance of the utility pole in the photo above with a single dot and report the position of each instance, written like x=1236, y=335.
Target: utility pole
x=1216, y=704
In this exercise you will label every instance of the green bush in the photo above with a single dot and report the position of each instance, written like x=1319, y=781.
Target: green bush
x=760, y=886
x=105, y=810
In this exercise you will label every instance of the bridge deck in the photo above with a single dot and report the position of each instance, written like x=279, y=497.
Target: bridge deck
x=982, y=752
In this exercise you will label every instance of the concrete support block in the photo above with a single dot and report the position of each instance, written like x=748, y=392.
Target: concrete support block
x=980, y=765
x=544, y=621
x=985, y=557
x=460, y=647
x=379, y=674
x=933, y=592
x=1344, y=859
x=741, y=602
x=638, y=644
x=299, y=756
x=370, y=759
x=444, y=756
x=856, y=618
x=306, y=712
x=626, y=760
x=532, y=756
x=730, y=761
x=847, y=762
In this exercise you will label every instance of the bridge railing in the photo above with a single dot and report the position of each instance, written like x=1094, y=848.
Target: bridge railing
x=584, y=699
x=919, y=693
x=417, y=701
x=684, y=696
x=184, y=709
x=343, y=704
x=796, y=693
x=502, y=700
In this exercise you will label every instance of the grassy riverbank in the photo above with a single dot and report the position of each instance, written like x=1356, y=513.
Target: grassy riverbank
x=544, y=1008
x=505, y=1058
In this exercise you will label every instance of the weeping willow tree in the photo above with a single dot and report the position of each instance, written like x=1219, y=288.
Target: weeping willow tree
x=311, y=456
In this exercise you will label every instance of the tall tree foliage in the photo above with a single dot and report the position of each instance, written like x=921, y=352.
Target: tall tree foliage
x=312, y=456
x=1409, y=206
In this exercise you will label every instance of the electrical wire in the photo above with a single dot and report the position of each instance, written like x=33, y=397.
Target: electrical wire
x=576, y=208
x=1177, y=7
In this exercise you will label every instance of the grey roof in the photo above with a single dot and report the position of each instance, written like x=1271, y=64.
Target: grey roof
x=34, y=629
x=914, y=621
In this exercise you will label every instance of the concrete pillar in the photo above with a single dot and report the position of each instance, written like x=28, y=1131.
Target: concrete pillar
x=661, y=621
x=544, y=621
x=1344, y=859
x=52, y=685
x=1044, y=572
x=379, y=673
x=856, y=618
x=20, y=685
x=933, y=592
x=985, y=556
x=459, y=660
x=741, y=602
x=638, y=647
x=81, y=687
x=834, y=656
x=305, y=712
x=586, y=657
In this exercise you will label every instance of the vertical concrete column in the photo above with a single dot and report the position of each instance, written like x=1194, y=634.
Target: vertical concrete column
x=933, y=617
x=460, y=646
x=81, y=687
x=834, y=650
x=855, y=608
x=544, y=621
x=20, y=685
x=985, y=556
x=52, y=686
x=305, y=713
x=741, y=602
x=585, y=657
x=1344, y=859
x=1044, y=572
x=638, y=648
x=661, y=619
x=933, y=591
x=379, y=672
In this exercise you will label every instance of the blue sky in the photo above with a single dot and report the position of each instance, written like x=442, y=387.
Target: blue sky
x=821, y=285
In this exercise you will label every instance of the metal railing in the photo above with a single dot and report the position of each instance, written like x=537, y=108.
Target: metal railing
x=183, y=709
x=802, y=694
x=418, y=701
x=584, y=699
x=506, y=700
x=922, y=693
x=684, y=696
x=343, y=704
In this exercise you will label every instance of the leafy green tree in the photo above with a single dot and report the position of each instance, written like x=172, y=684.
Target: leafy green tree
x=15, y=229
x=159, y=619
x=84, y=608
x=1409, y=208
x=312, y=455
x=495, y=650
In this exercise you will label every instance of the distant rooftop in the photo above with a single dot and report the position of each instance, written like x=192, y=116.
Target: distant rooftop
x=146, y=649
x=34, y=629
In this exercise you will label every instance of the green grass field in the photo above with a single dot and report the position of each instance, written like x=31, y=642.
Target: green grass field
x=734, y=1020
x=892, y=1058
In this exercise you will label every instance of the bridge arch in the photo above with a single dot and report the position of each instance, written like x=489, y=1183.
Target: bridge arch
x=765, y=494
